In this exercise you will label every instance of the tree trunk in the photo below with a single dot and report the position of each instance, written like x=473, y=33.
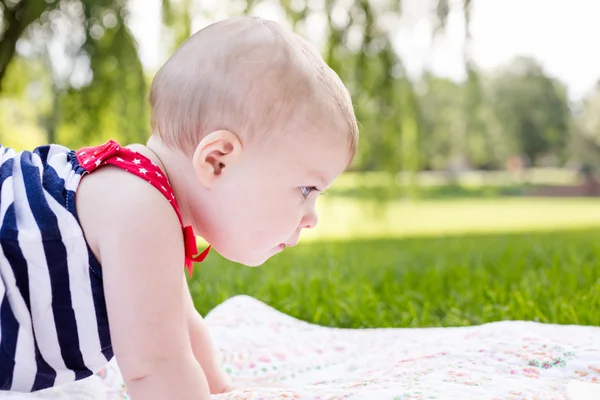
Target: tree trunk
x=16, y=20
x=54, y=116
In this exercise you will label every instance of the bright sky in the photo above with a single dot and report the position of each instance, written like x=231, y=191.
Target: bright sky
x=559, y=33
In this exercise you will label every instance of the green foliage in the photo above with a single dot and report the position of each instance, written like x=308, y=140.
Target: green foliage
x=406, y=123
x=76, y=111
x=177, y=16
x=585, y=130
x=442, y=121
x=25, y=84
x=550, y=277
x=16, y=17
x=532, y=109
x=114, y=104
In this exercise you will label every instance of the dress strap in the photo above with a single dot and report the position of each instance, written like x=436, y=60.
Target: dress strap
x=111, y=153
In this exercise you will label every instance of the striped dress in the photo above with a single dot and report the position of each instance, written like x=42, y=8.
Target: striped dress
x=53, y=319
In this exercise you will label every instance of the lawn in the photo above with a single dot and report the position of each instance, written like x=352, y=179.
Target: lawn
x=371, y=205
x=420, y=282
x=438, y=262
x=349, y=218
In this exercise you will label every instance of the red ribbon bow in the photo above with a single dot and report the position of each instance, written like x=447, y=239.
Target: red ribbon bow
x=191, y=249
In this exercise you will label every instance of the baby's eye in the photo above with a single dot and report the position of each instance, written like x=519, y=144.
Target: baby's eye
x=306, y=190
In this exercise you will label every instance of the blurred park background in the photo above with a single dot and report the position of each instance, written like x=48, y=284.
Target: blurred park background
x=474, y=194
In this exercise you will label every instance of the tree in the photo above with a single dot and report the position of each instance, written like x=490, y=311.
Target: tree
x=177, y=17
x=441, y=103
x=532, y=109
x=102, y=90
x=586, y=130
x=17, y=15
x=109, y=97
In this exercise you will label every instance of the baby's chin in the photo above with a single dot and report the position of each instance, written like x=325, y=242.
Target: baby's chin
x=256, y=259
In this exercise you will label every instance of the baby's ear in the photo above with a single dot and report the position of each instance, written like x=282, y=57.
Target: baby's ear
x=215, y=152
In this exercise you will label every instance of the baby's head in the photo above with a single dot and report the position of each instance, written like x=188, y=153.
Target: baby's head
x=260, y=125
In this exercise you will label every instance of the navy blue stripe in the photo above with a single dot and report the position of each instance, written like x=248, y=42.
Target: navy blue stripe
x=100, y=306
x=46, y=375
x=9, y=326
x=56, y=258
x=8, y=345
x=53, y=184
x=77, y=168
x=43, y=151
x=14, y=255
x=95, y=273
x=6, y=170
x=71, y=206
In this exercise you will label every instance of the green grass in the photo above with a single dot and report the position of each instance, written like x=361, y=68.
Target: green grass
x=367, y=205
x=451, y=259
x=421, y=282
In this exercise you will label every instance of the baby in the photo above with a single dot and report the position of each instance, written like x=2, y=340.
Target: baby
x=249, y=125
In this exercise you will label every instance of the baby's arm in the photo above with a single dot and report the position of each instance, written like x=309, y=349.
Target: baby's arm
x=140, y=245
x=204, y=351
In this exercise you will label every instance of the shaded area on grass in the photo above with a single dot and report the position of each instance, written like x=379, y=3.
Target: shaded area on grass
x=421, y=282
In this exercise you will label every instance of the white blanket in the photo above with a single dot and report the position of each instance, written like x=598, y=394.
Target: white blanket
x=274, y=356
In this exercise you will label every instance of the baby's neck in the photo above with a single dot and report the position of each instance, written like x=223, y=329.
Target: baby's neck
x=177, y=169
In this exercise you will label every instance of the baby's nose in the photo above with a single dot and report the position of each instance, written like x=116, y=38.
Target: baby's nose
x=310, y=220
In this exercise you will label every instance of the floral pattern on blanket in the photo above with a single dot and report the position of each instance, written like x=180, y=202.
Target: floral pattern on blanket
x=273, y=356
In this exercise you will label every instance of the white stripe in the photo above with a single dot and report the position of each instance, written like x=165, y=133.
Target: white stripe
x=2, y=287
x=57, y=159
x=80, y=285
x=6, y=156
x=7, y=197
x=25, y=366
x=57, y=149
x=39, y=278
x=5, y=201
x=3, y=262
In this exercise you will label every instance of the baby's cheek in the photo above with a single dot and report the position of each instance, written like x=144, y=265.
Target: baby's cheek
x=280, y=222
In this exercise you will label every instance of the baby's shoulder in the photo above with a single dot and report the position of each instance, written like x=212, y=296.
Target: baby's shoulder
x=111, y=201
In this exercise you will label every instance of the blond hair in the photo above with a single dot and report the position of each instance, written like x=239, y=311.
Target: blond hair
x=249, y=76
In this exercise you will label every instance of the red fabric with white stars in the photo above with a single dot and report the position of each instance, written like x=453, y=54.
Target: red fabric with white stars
x=111, y=153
